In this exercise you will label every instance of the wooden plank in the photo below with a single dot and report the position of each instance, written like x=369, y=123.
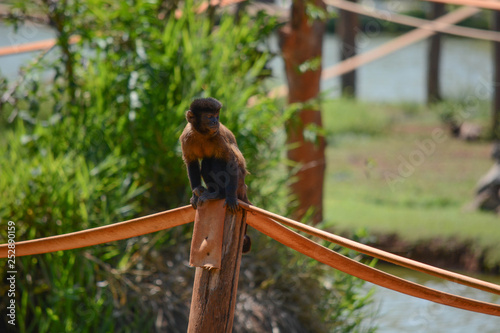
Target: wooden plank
x=333, y=259
x=104, y=234
x=214, y=291
x=397, y=43
x=208, y=232
x=35, y=46
x=486, y=4
x=416, y=22
x=394, y=45
x=374, y=252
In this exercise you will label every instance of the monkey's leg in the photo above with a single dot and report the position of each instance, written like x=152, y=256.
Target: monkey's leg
x=225, y=174
x=214, y=190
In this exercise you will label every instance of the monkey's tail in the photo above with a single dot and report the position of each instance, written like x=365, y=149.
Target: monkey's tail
x=243, y=196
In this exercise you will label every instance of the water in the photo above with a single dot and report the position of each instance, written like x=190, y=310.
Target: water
x=401, y=313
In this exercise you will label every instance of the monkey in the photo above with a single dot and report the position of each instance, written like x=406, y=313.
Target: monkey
x=223, y=167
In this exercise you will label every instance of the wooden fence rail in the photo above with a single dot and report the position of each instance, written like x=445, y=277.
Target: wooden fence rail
x=264, y=221
x=364, y=272
x=105, y=234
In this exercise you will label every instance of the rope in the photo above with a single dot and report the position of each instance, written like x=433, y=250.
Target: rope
x=359, y=270
x=386, y=256
x=109, y=233
x=416, y=22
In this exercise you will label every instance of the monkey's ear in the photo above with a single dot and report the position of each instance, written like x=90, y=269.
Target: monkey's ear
x=190, y=116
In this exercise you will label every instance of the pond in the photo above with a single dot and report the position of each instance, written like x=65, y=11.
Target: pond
x=397, y=312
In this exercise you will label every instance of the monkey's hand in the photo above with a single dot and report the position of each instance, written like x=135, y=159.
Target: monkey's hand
x=207, y=196
x=232, y=204
x=197, y=192
x=194, y=201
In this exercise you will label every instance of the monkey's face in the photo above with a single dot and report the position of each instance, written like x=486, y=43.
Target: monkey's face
x=210, y=123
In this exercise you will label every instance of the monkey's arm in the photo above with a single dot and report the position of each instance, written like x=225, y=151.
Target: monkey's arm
x=195, y=181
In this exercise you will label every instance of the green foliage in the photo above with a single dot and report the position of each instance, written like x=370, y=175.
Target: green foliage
x=48, y=195
x=310, y=65
x=344, y=117
x=314, y=12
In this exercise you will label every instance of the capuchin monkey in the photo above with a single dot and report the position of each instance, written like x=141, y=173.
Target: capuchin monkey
x=223, y=167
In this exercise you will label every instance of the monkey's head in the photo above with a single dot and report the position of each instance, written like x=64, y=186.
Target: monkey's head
x=203, y=115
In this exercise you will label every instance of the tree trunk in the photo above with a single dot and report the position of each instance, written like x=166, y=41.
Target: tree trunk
x=495, y=121
x=347, y=26
x=301, y=42
x=433, y=91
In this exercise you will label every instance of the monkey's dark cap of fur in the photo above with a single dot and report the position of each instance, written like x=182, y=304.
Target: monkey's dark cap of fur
x=205, y=105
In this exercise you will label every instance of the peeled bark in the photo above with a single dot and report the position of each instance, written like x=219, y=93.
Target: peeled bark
x=301, y=42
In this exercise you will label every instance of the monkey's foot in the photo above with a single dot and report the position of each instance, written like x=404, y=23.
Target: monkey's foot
x=231, y=204
x=207, y=196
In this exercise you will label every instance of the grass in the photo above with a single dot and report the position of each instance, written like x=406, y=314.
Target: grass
x=395, y=169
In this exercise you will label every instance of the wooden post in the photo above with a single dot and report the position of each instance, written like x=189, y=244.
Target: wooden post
x=495, y=125
x=347, y=28
x=433, y=91
x=214, y=290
